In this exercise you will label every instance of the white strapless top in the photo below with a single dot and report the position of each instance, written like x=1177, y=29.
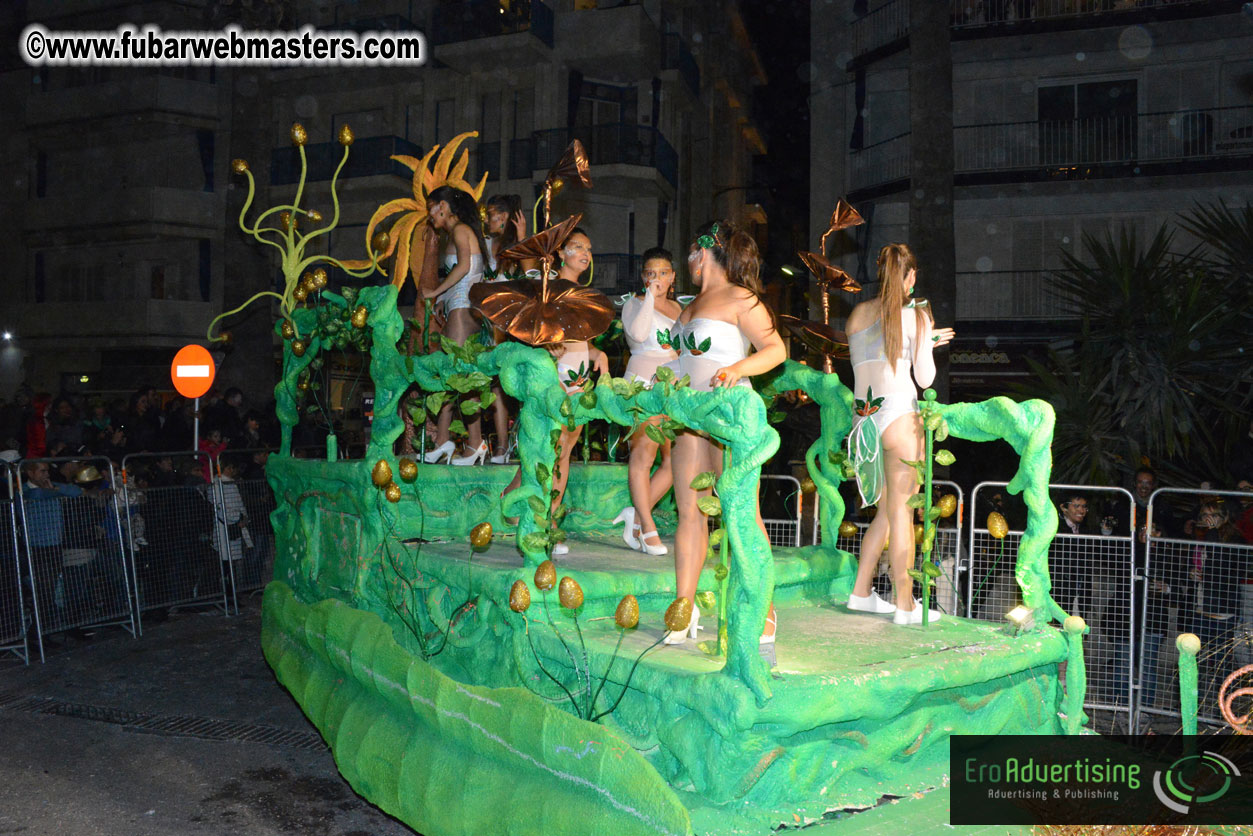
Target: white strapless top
x=475, y=273
x=654, y=328
x=704, y=346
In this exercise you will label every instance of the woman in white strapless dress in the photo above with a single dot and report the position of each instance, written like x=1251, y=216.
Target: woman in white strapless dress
x=577, y=362
x=647, y=321
x=715, y=333
x=888, y=338
x=455, y=212
x=506, y=226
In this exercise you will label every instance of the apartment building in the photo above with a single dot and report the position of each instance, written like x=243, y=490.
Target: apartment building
x=1069, y=117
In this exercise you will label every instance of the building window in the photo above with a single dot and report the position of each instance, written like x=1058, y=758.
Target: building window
x=1093, y=122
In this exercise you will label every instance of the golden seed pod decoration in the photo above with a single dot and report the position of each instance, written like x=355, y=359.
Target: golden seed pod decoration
x=239, y=166
x=298, y=348
x=300, y=294
x=408, y=469
x=546, y=576
x=380, y=242
x=997, y=526
x=314, y=215
x=848, y=529
x=481, y=535
x=627, y=615
x=519, y=596
x=345, y=135
x=299, y=136
x=947, y=505
x=285, y=221
x=306, y=281
x=919, y=531
x=569, y=593
x=287, y=329
x=679, y=614
x=808, y=486
x=303, y=385
x=381, y=475
x=392, y=492
x=226, y=338
x=319, y=278
x=359, y=316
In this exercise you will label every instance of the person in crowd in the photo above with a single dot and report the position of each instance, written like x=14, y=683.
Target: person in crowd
x=250, y=438
x=1072, y=568
x=1167, y=574
x=98, y=425
x=178, y=426
x=1220, y=568
x=890, y=338
x=37, y=427
x=138, y=424
x=725, y=320
x=647, y=319
x=65, y=430
x=225, y=416
x=44, y=523
x=233, y=539
x=213, y=445
x=14, y=418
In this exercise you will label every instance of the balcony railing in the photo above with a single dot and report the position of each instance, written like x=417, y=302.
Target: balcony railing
x=883, y=25
x=370, y=157
x=1009, y=294
x=676, y=56
x=1060, y=147
x=474, y=19
x=485, y=158
x=521, y=158
x=882, y=162
x=616, y=273
x=621, y=144
x=888, y=23
x=976, y=13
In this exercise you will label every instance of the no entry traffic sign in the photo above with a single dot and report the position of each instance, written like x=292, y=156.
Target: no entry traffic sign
x=192, y=371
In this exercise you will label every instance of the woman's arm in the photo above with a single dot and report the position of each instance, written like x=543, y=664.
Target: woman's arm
x=599, y=361
x=927, y=339
x=463, y=239
x=756, y=324
x=637, y=316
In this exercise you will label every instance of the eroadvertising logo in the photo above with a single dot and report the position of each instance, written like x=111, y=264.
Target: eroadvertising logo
x=1176, y=787
x=1094, y=779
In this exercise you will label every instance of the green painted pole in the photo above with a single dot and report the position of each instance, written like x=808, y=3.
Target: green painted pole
x=1188, y=645
x=1076, y=675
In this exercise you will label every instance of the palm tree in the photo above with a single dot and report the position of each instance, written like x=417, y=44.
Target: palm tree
x=1157, y=366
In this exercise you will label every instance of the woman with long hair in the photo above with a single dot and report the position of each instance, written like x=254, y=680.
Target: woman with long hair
x=506, y=226
x=577, y=362
x=722, y=322
x=889, y=337
x=647, y=319
x=455, y=213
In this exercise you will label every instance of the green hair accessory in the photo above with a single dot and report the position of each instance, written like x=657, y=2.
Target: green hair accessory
x=710, y=240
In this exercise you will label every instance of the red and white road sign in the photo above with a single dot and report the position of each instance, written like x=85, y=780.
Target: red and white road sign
x=192, y=371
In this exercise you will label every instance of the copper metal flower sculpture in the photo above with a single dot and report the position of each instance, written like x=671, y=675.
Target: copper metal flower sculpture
x=817, y=336
x=544, y=311
x=830, y=279
x=404, y=239
x=573, y=167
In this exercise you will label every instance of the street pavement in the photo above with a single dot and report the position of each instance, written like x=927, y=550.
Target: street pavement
x=182, y=731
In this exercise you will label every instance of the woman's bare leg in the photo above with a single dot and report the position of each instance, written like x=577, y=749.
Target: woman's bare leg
x=715, y=465
x=562, y=475
x=689, y=458
x=461, y=324
x=646, y=490
x=902, y=441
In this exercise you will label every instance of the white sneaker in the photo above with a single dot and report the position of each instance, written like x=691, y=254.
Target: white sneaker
x=560, y=549
x=870, y=603
x=914, y=616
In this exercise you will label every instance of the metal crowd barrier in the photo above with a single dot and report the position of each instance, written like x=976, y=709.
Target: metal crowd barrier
x=1195, y=578
x=75, y=550
x=946, y=549
x=1091, y=574
x=172, y=531
x=12, y=576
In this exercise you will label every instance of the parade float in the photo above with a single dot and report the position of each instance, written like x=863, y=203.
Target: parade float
x=467, y=684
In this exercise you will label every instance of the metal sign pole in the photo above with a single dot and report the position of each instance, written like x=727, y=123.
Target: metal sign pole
x=195, y=426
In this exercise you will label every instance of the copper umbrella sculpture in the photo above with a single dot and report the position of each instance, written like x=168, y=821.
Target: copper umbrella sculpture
x=548, y=310
x=819, y=336
x=573, y=167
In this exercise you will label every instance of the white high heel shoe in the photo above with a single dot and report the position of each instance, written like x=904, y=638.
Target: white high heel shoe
x=443, y=451
x=693, y=627
x=474, y=458
x=627, y=516
x=647, y=547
